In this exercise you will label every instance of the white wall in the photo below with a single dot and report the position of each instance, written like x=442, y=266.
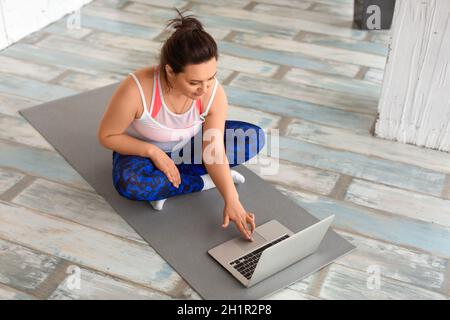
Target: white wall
x=19, y=18
x=414, y=106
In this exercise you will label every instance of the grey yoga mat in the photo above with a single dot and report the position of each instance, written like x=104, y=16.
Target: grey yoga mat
x=189, y=225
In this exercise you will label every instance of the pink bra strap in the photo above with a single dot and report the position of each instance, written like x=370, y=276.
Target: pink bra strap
x=157, y=103
x=198, y=104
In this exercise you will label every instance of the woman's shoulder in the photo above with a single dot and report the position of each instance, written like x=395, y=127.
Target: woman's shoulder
x=209, y=94
x=144, y=74
x=145, y=77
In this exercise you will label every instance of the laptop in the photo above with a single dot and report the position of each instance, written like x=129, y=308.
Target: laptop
x=275, y=248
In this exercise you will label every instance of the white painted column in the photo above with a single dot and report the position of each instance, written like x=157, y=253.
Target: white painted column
x=414, y=106
x=19, y=18
x=3, y=39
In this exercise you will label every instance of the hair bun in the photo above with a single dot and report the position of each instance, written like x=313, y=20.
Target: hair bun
x=188, y=22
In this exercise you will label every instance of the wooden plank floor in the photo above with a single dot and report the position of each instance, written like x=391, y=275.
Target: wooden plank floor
x=296, y=66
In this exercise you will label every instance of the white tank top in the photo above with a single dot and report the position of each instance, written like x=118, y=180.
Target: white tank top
x=163, y=128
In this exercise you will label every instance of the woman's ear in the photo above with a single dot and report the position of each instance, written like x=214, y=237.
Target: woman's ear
x=169, y=70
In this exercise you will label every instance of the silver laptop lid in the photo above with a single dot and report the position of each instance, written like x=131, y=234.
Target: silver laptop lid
x=290, y=250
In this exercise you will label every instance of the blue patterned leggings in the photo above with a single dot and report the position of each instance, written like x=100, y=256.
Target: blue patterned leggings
x=136, y=178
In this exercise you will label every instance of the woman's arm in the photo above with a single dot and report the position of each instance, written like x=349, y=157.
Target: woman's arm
x=213, y=130
x=119, y=114
x=121, y=111
x=219, y=170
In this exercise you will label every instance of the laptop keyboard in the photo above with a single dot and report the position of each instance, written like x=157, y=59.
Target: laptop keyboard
x=246, y=265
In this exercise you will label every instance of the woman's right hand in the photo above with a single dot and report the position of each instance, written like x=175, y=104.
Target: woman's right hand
x=163, y=162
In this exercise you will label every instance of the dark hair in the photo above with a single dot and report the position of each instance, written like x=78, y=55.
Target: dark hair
x=189, y=44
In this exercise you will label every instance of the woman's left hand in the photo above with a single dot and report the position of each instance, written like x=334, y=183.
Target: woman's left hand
x=235, y=212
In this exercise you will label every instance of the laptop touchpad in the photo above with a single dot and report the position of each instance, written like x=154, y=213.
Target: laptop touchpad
x=247, y=245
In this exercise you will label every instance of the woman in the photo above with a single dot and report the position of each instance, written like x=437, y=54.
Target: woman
x=185, y=103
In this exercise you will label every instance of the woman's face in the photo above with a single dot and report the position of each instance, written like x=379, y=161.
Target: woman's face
x=195, y=80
